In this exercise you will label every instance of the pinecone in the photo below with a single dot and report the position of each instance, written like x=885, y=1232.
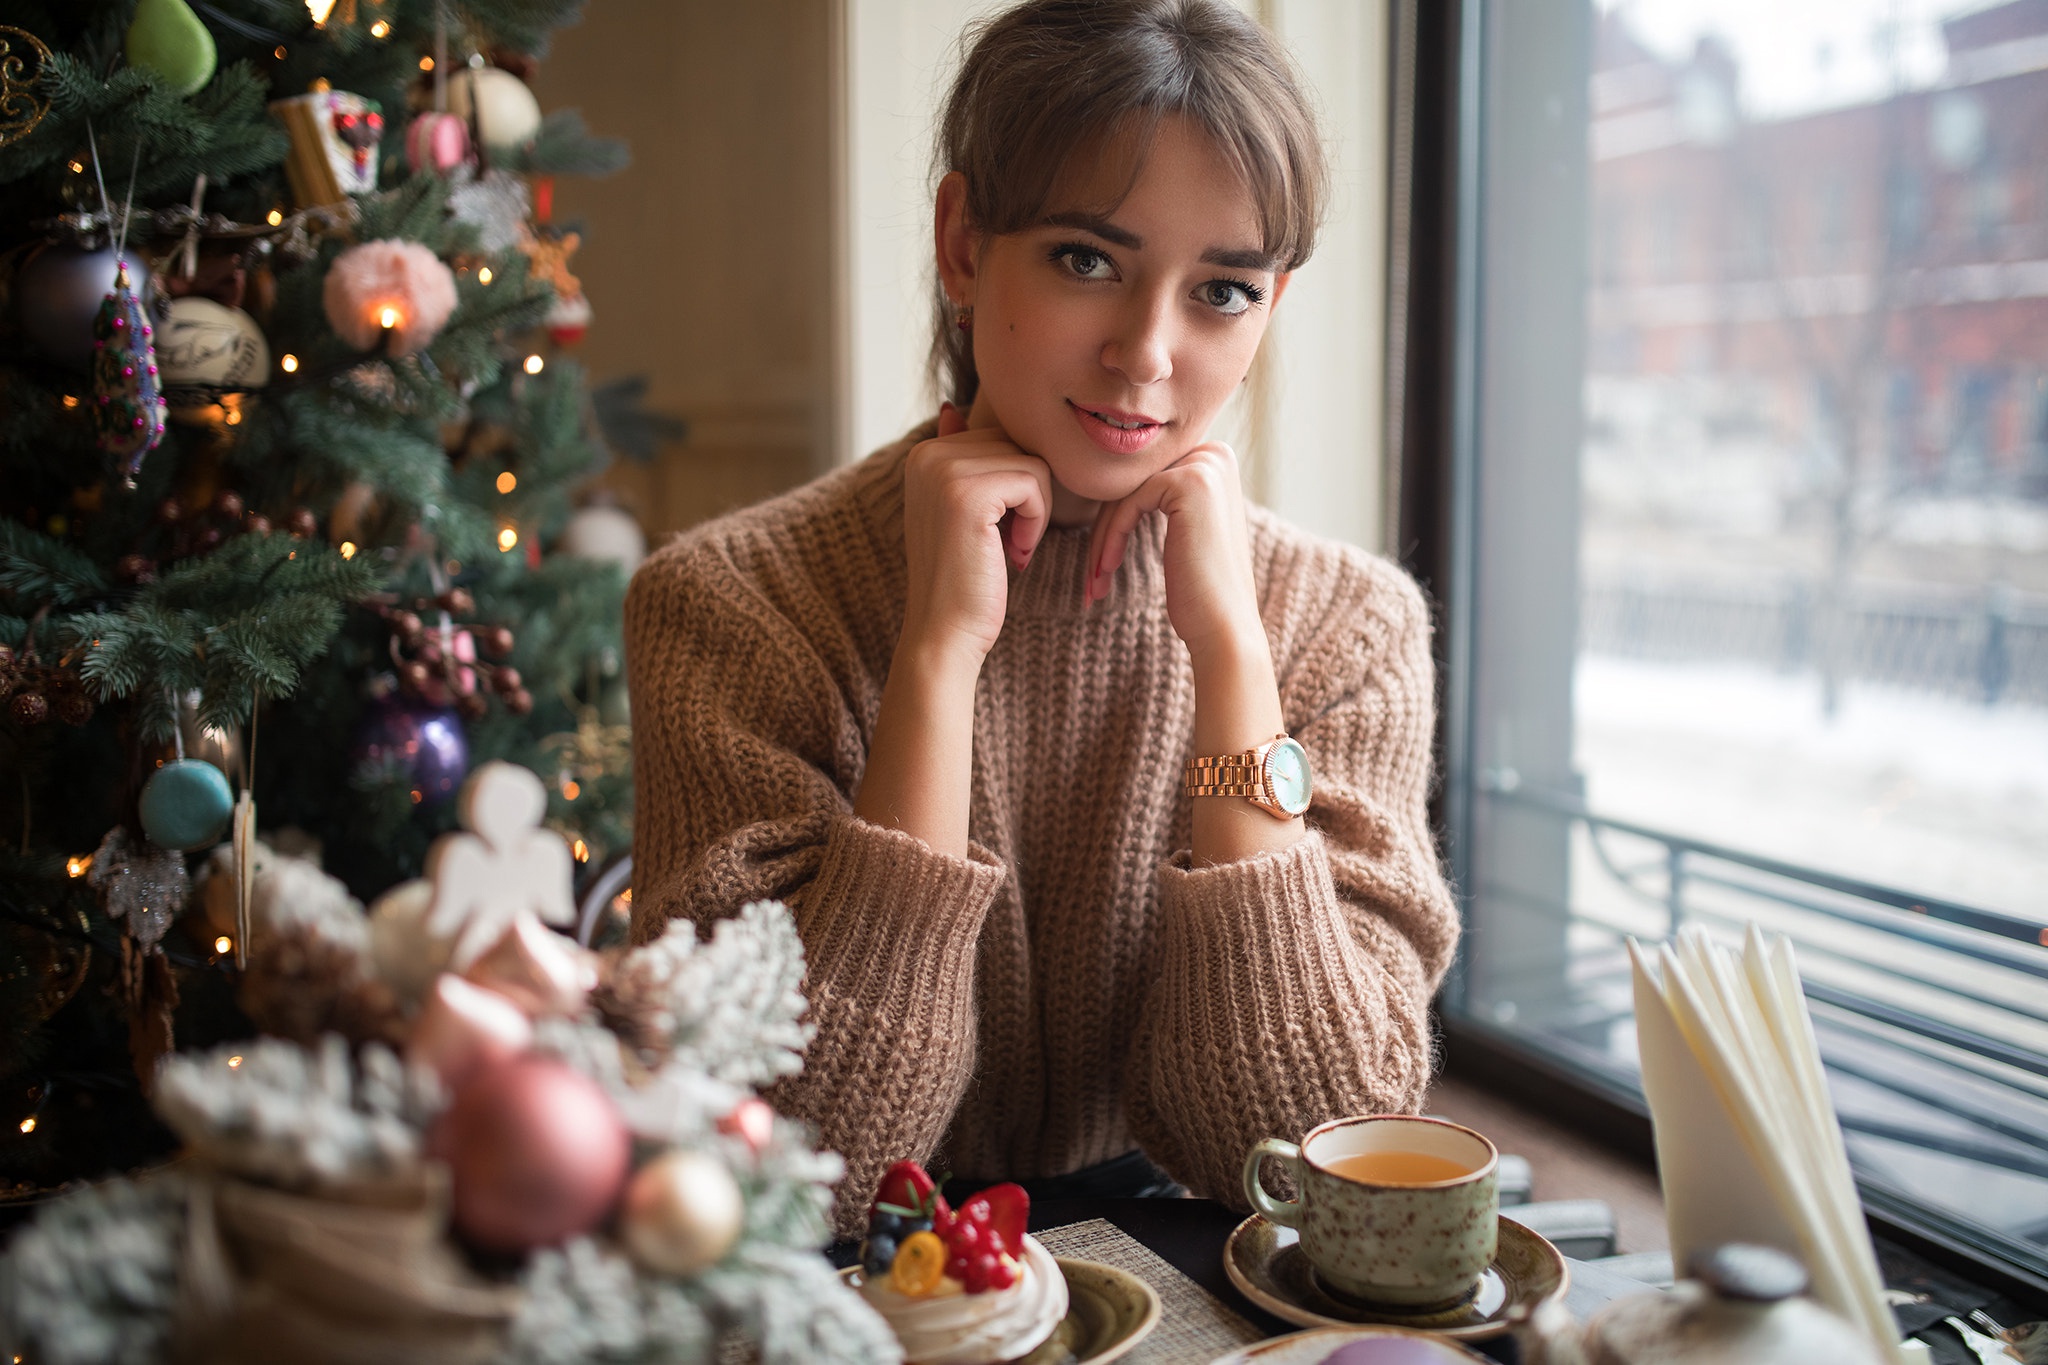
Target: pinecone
x=633, y=1002
x=300, y=985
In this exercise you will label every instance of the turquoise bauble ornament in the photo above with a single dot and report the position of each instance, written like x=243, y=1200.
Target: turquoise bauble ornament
x=186, y=805
x=167, y=37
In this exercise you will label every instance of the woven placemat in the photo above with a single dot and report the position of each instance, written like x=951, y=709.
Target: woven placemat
x=1194, y=1325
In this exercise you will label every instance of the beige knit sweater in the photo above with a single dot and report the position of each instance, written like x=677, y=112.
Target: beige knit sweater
x=1072, y=988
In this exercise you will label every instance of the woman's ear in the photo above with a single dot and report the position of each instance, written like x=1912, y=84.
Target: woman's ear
x=955, y=241
x=1279, y=287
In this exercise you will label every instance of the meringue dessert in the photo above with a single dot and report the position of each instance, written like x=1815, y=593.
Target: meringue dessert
x=962, y=1286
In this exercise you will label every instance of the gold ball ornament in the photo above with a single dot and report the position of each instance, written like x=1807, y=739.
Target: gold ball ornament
x=682, y=1213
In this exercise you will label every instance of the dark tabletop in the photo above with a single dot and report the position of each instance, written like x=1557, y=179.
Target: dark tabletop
x=1189, y=1235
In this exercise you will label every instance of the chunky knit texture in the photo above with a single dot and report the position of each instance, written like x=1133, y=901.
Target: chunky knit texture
x=1074, y=987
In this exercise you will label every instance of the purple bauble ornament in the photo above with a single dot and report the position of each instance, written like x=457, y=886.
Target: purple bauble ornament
x=425, y=743
x=58, y=292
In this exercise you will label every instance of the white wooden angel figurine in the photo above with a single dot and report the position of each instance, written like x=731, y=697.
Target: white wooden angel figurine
x=507, y=867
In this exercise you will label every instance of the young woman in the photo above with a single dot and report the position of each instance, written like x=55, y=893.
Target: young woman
x=994, y=710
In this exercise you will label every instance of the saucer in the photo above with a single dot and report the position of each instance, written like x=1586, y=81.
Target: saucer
x=1108, y=1312
x=1314, y=1346
x=1265, y=1261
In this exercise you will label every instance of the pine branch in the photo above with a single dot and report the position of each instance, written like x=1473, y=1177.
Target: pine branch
x=566, y=146
x=43, y=571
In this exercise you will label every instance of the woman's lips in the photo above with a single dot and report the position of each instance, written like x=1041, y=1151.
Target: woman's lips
x=1119, y=433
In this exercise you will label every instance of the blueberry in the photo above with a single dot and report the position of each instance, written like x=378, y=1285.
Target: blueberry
x=887, y=1224
x=877, y=1254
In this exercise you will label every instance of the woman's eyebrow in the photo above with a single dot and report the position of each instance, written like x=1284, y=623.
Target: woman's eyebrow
x=1231, y=258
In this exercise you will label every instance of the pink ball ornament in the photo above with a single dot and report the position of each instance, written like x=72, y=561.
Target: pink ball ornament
x=388, y=287
x=751, y=1121
x=537, y=1151
x=437, y=142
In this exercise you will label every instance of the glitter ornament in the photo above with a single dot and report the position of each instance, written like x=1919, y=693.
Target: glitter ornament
x=537, y=1151
x=141, y=886
x=682, y=1213
x=128, y=403
x=186, y=805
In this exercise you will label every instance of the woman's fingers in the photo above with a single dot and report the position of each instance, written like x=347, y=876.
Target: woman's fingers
x=1113, y=527
x=1030, y=516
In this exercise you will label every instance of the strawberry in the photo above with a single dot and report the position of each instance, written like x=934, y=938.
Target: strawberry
x=907, y=1186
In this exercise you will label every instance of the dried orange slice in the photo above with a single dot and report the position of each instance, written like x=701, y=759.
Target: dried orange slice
x=919, y=1265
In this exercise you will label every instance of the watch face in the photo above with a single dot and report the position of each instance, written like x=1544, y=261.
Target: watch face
x=1287, y=776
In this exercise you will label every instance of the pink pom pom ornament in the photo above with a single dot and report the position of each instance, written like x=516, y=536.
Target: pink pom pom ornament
x=388, y=287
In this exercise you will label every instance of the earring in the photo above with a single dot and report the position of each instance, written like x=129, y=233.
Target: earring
x=963, y=317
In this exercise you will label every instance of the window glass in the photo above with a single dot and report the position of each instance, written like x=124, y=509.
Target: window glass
x=1757, y=550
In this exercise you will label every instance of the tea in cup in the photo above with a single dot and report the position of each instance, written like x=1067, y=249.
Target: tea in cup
x=1392, y=1209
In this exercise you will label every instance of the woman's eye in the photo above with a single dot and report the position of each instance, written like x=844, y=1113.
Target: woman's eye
x=1227, y=296
x=1087, y=265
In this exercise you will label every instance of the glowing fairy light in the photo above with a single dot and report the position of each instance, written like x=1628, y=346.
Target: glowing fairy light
x=348, y=549
x=77, y=867
x=507, y=481
x=507, y=538
x=289, y=364
x=534, y=364
x=223, y=944
x=483, y=276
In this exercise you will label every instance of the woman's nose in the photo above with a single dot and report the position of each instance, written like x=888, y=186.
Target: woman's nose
x=1141, y=350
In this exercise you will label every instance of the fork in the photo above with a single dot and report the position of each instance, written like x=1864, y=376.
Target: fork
x=1989, y=1349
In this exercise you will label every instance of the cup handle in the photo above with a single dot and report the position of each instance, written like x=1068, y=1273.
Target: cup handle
x=1285, y=1212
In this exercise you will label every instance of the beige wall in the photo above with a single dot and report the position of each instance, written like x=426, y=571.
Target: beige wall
x=708, y=261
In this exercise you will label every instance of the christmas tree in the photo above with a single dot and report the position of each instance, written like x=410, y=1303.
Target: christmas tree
x=289, y=448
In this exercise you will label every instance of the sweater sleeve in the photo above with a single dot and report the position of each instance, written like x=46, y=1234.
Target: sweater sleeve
x=747, y=751
x=1294, y=987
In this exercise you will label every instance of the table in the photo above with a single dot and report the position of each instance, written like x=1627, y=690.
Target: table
x=1189, y=1235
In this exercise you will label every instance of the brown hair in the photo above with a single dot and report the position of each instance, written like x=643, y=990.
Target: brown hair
x=1053, y=78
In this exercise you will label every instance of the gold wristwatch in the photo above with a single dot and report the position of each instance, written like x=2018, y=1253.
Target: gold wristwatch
x=1274, y=777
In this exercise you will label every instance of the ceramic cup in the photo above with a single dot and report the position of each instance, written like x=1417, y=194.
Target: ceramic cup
x=1407, y=1246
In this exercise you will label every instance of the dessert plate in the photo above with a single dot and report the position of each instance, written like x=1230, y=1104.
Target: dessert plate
x=1310, y=1348
x=1108, y=1312
x=1265, y=1261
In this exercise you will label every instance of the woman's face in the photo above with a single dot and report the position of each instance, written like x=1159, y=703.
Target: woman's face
x=1107, y=342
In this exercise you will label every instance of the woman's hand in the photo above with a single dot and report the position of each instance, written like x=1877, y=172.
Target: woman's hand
x=1211, y=596
x=1212, y=599
x=972, y=503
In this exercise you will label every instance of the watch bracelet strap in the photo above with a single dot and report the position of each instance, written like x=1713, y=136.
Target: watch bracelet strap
x=1235, y=774
x=1255, y=790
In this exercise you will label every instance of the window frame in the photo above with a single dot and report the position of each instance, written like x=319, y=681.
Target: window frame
x=1438, y=56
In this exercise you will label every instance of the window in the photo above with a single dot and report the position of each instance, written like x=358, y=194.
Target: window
x=1748, y=578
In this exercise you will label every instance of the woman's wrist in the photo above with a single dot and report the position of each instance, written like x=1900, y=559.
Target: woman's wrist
x=1237, y=697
